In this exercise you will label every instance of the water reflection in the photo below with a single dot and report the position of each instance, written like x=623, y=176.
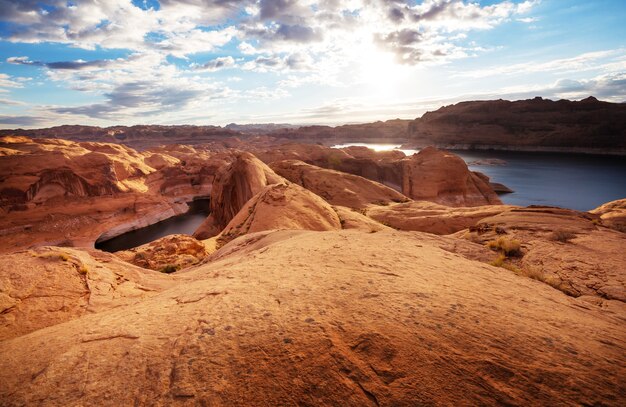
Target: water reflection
x=184, y=224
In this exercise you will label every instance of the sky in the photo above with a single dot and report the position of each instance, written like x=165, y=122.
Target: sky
x=213, y=62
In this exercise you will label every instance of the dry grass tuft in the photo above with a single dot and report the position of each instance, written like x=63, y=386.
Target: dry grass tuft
x=508, y=247
x=500, y=261
x=562, y=236
x=54, y=256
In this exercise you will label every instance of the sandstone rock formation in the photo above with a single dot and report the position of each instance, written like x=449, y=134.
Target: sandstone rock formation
x=167, y=254
x=306, y=314
x=566, y=249
x=337, y=188
x=233, y=186
x=535, y=124
x=282, y=206
x=329, y=318
x=381, y=167
x=355, y=219
x=60, y=192
x=430, y=217
x=613, y=214
x=437, y=176
x=50, y=285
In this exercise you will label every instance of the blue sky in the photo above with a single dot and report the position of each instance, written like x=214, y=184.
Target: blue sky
x=205, y=62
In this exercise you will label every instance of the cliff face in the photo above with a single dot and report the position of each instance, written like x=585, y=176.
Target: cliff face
x=232, y=187
x=441, y=177
x=140, y=137
x=586, y=124
x=63, y=192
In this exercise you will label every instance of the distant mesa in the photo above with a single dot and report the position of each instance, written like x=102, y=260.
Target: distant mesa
x=585, y=126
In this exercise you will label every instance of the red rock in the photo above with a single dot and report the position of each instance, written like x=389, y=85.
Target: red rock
x=437, y=176
x=336, y=187
x=282, y=206
x=233, y=186
x=613, y=214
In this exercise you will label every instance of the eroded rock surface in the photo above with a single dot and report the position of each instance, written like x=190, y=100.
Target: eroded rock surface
x=431, y=217
x=60, y=192
x=282, y=206
x=563, y=248
x=441, y=177
x=51, y=285
x=167, y=254
x=337, y=188
x=233, y=186
x=613, y=214
x=338, y=317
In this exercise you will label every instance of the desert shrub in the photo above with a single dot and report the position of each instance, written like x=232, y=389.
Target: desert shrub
x=83, y=269
x=169, y=268
x=508, y=247
x=54, y=255
x=562, y=236
x=500, y=261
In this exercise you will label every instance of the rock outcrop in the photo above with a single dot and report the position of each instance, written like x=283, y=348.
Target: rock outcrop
x=441, y=177
x=59, y=192
x=167, y=254
x=50, y=285
x=381, y=167
x=430, y=217
x=613, y=214
x=331, y=318
x=234, y=185
x=337, y=188
x=535, y=124
x=566, y=249
x=282, y=206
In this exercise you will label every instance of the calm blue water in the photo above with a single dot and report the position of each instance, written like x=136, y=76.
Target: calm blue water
x=184, y=224
x=575, y=181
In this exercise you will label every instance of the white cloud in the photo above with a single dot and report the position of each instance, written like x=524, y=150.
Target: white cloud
x=305, y=42
x=606, y=60
x=215, y=65
x=7, y=81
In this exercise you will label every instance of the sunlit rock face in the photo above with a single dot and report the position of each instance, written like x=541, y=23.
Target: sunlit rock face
x=282, y=206
x=167, y=254
x=61, y=192
x=352, y=315
x=613, y=214
x=232, y=187
x=338, y=188
x=441, y=177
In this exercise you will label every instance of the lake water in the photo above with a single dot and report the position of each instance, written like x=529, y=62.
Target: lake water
x=184, y=224
x=576, y=181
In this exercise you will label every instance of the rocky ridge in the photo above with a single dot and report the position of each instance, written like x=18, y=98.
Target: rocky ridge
x=310, y=295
